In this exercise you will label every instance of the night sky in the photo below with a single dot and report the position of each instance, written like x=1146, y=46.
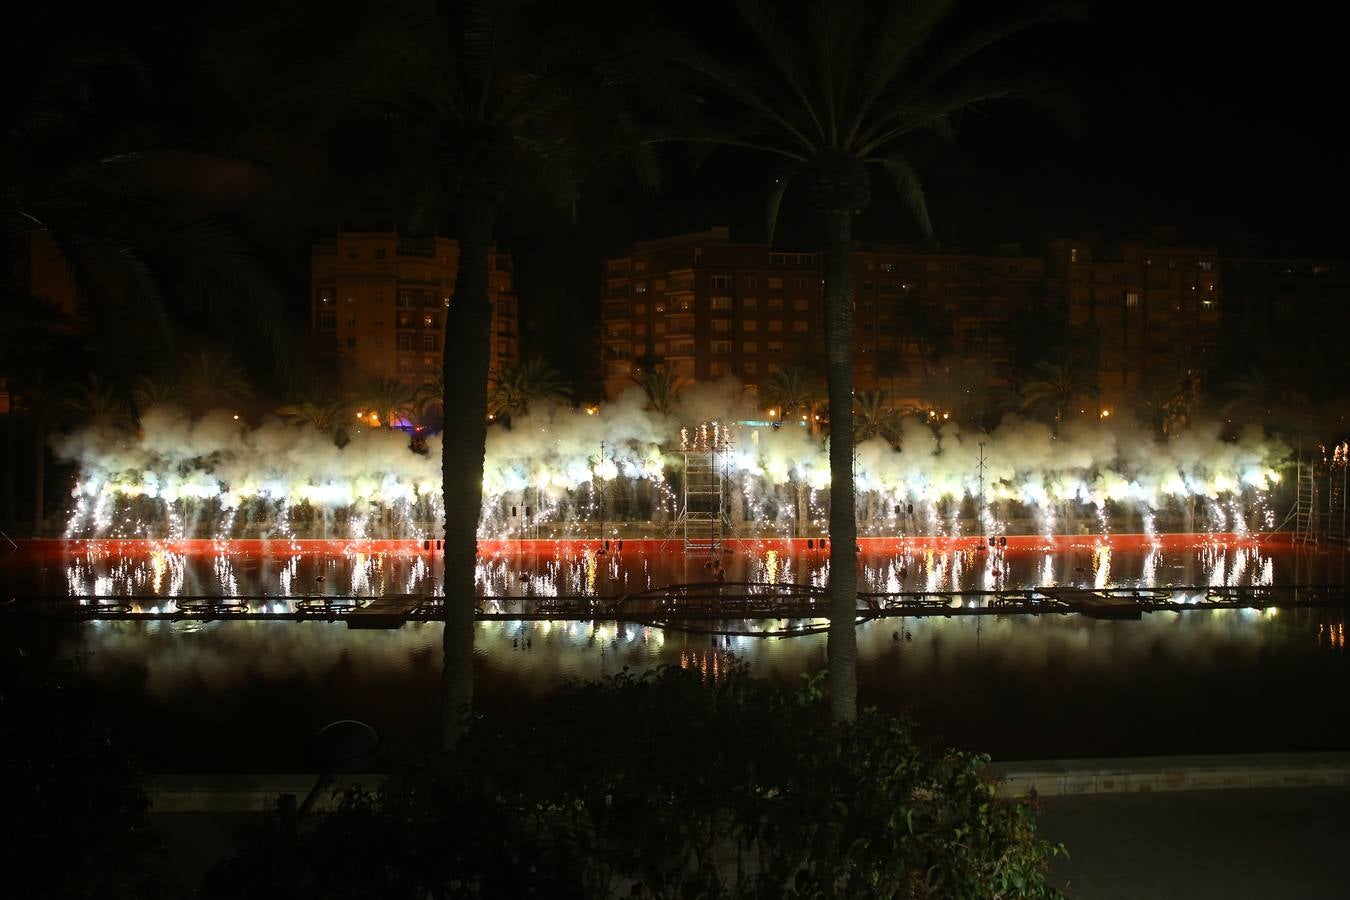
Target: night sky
x=1219, y=120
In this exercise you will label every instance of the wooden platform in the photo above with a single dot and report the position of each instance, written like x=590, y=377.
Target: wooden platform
x=385, y=612
x=1093, y=604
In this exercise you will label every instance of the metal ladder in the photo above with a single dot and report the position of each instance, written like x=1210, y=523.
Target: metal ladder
x=703, y=502
x=1305, y=504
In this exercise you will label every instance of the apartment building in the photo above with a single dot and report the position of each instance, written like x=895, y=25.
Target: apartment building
x=1155, y=305
x=1283, y=314
x=706, y=307
x=381, y=299
x=921, y=314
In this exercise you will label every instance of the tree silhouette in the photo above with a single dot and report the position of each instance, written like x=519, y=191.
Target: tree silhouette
x=514, y=386
x=661, y=385
x=835, y=90
x=497, y=93
x=1057, y=384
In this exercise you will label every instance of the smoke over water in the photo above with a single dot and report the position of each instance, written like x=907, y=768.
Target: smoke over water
x=561, y=472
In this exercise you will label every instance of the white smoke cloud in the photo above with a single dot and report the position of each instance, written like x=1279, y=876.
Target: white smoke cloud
x=554, y=454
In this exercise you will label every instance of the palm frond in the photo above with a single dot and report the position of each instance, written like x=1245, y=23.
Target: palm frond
x=775, y=199
x=906, y=181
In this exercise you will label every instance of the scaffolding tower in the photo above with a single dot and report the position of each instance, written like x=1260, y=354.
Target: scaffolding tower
x=1336, y=523
x=703, y=521
x=1305, y=503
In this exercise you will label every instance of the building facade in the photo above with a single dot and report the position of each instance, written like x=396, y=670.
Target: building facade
x=928, y=323
x=381, y=299
x=706, y=306
x=1152, y=306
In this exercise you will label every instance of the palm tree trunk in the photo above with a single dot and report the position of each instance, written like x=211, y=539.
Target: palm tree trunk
x=39, y=477
x=843, y=637
x=465, y=372
x=11, y=509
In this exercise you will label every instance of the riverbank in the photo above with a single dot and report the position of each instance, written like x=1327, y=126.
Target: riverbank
x=253, y=792
x=1247, y=825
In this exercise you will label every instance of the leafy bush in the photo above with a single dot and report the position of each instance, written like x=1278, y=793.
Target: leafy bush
x=74, y=815
x=662, y=786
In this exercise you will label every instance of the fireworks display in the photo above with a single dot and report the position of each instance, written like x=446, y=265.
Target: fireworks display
x=213, y=477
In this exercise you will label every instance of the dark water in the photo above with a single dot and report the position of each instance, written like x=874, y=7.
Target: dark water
x=349, y=569
x=191, y=696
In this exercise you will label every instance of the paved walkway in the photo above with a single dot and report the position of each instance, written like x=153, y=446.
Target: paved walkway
x=1231, y=844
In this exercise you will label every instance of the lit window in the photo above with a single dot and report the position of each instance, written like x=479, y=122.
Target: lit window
x=775, y=346
x=749, y=325
x=720, y=346
x=721, y=324
x=428, y=342
x=1073, y=254
x=1131, y=299
x=720, y=302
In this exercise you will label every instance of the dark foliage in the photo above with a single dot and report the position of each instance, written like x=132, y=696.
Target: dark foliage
x=74, y=817
x=662, y=786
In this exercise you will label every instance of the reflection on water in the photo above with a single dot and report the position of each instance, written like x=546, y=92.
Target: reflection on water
x=573, y=569
x=201, y=695
x=1203, y=681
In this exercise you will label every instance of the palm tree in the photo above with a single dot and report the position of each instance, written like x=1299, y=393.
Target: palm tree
x=1057, y=384
x=1169, y=397
x=662, y=387
x=72, y=177
x=96, y=405
x=872, y=416
x=833, y=90
x=430, y=398
x=496, y=92
x=211, y=379
x=791, y=391
x=328, y=415
x=387, y=399
x=514, y=386
x=1255, y=397
x=154, y=390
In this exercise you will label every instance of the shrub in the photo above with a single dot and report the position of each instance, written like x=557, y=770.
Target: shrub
x=662, y=786
x=75, y=816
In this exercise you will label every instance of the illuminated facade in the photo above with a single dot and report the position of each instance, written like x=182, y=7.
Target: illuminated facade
x=381, y=299
x=924, y=321
x=1152, y=306
x=706, y=307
